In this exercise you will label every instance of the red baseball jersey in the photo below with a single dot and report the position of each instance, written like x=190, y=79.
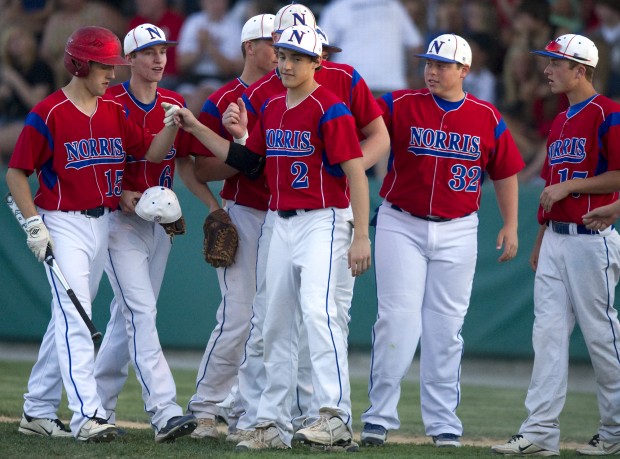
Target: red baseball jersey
x=440, y=151
x=304, y=146
x=141, y=174
x=584, y=141
x=239, y=188
x=341, y=79
x=79, y=158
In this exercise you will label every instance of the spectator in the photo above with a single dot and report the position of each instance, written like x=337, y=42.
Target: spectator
x=25, y=80
x=70, y=15
x=391, y=47
x=159, y=13
x=608, y=32
x=29, y=14
x=447, y=17
x=481, y=82
x=208, y=51
x=383, y=30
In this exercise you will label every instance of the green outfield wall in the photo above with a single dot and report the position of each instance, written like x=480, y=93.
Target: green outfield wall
x=498, y=324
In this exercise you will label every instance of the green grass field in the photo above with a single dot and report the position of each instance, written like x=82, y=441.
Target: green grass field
x=488, y=414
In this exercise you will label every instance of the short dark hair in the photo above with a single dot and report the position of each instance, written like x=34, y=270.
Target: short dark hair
x=589, y=69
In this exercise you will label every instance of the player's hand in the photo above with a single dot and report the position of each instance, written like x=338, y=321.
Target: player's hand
x=38, y=237
x=129, y=200
x=536, y=251
x=602, y=217
x=185, y=119
x=235, y=119
x=359, y=255
x=508, y=239
x=170, y=110
x=554, y=193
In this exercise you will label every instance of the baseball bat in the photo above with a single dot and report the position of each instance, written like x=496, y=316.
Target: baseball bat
x=51, y=262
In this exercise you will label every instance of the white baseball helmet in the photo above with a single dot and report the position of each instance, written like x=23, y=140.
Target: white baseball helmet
x=573, y=47
x=325, y=41
x=144, y=36
x=302, y=39
x=258, y=27
x=293, y=15
x=159, y=204
x=449, y=48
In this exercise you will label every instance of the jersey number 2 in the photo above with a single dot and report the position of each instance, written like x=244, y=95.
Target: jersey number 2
x=300, y=171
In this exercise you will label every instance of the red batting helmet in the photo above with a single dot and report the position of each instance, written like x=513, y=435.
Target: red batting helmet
x=95, y=44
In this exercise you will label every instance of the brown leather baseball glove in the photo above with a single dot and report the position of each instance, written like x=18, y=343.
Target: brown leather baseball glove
x=175, y=228
x=221, y=239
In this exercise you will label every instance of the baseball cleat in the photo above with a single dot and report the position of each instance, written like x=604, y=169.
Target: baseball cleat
x=97, y=430
x=176, y=427
x=598, y=447
x=43, y=427
x=373, y=435
x=351, y=447
x=207, y=428
x=265, y=437
x=327, y=430
x=238, y=436
x=520, y=446
x=447, y=440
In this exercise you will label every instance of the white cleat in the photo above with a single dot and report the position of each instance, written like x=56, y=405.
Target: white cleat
x=265, y=437
x=598, y=447
x=43, y=427
x=520, y=446
x=97, y=430
x=207, y=428
x=328, y=430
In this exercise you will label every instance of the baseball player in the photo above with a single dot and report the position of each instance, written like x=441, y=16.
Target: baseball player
x=138, y=249
x=346, y=83
x=318, y=184
x=246, y=204
x=577, y=268
x=328, y=49
x=443, y=141
x=77, y=140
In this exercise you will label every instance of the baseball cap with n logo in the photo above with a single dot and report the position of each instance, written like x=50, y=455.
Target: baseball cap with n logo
x=449, y=48
x=302, y=39
x=143, y=36
x=293, y=15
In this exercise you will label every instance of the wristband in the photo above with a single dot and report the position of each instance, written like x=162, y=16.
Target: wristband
x=244, y=137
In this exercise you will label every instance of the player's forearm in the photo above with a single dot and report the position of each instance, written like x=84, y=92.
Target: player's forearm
x=376, y=144
x=360, y=200
x=185, y=167
x=19, y=187
x=216, y=144
x=607, y=182
x=507, y=192
x=161, y=144
x=209, y=169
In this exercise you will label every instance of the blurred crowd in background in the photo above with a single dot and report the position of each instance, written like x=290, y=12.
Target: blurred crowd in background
x=501, y=33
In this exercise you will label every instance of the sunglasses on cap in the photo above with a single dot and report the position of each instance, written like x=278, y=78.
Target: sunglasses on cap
x=554, y=47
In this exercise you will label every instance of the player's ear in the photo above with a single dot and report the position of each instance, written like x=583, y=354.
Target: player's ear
x=464, y=71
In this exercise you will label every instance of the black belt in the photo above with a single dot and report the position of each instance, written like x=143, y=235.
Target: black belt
x=291, y=213
x=95, y=212
x=564, y=228
x=428, y=218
